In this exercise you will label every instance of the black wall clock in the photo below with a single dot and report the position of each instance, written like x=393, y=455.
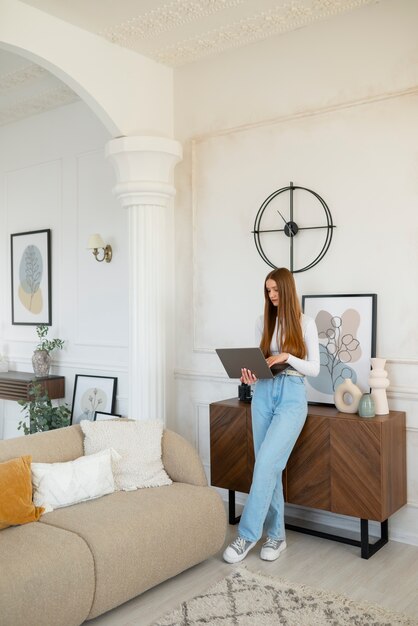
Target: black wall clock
x=288, y=225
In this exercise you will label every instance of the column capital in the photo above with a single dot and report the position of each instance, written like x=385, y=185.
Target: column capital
x=144, y=167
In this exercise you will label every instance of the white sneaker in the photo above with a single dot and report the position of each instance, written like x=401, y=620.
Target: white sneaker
x=271, y=549
x=238, y=550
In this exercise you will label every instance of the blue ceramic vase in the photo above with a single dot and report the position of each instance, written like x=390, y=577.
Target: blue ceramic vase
x=366, y=406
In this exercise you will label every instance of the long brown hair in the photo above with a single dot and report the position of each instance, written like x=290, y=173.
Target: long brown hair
x=288, y=312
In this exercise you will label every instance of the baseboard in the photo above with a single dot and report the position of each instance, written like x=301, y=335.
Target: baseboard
x=403, y=525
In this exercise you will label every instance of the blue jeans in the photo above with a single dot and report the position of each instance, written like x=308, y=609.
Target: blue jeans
x=279, y=409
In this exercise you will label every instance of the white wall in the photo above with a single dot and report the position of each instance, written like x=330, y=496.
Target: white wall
x=332, y=107
x=53, y=174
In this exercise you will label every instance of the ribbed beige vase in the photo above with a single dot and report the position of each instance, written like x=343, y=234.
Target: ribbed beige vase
x=378, y=381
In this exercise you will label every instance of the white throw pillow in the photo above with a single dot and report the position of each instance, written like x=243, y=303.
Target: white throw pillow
x=60, y=484
x=139, y=445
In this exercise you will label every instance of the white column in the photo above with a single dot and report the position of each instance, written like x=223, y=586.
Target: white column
x=144, y=170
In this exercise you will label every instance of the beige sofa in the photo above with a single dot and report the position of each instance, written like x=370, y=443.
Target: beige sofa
x=83, y=560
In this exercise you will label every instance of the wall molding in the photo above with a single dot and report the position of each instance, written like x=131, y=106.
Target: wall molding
x=197, y=406
x=402, y=361
x=204, y=376
x=410, y=393
x=19, y=361
x=101, y=344
x=307, y=113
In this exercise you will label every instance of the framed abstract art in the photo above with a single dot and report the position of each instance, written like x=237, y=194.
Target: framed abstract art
x=347, y=340
x=31, y=277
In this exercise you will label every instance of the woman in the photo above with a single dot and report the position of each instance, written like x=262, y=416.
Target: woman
x=279, y=410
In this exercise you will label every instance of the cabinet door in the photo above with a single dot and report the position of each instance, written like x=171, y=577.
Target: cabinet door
x=356, y=480
x=229, y=447
x=308, y=468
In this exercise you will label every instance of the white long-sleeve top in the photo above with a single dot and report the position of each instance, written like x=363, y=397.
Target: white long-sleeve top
x=310, y=365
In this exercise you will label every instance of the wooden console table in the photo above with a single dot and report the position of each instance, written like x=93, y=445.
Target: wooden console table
x=341, y=463
x=16, y=385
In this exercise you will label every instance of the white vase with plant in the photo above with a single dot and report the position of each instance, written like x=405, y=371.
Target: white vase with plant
x=41, y=359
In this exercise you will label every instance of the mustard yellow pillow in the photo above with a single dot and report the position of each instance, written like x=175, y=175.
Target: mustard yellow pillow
x=16, y=506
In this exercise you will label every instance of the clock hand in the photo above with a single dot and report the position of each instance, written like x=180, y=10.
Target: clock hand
x=287, y=223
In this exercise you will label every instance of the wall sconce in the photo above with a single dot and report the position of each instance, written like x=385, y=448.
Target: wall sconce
x=95, y=244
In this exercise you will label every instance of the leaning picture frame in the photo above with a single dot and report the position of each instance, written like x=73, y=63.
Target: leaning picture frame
x=31, y=278
x=346, y=326
x=91, y=394
x=101, y=415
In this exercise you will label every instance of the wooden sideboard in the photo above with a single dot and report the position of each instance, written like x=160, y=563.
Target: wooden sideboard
x=341, y=463
x=16, y=385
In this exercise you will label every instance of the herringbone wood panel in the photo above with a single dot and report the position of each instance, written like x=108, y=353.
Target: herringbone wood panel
x=308, y=468
x=356, y=482
x=229, y=448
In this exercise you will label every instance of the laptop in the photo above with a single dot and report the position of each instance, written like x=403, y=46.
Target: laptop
x=234, y=359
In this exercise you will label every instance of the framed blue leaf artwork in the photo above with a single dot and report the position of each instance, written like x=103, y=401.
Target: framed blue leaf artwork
x=347, y=341
x=31, y=277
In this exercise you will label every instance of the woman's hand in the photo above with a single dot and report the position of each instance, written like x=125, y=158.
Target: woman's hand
x=278, y=358
x=248, y=377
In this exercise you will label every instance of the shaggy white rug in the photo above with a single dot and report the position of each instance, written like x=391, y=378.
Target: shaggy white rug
x=248, y=599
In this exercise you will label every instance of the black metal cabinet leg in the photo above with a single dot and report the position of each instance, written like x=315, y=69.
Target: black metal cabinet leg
x=364, y=538
x=368, y=549
x=231, y=506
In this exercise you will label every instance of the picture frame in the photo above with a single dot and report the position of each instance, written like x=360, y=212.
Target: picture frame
x=31, y=278
x=101, y=415
x=92, y=393
x=346, y=326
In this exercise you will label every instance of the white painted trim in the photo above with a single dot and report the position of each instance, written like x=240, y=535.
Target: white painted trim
x=403, y=392
x=410, y=393
x=204, y=376
x=196, y=405
x=401, y=361
x=76, y=365
x=101, y=344
x=349, y=104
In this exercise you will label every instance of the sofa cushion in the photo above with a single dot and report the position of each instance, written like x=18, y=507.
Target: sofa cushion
x=46, y=576
x=61, y=444
x=138, y=443
x=61, y=484
x=16, y=506
x=140, y=538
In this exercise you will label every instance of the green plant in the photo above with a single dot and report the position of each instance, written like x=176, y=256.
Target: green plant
x=42, y=414
x=47, y=344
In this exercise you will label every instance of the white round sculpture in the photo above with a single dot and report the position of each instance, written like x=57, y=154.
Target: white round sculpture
x=378, y=381
x=347, y=387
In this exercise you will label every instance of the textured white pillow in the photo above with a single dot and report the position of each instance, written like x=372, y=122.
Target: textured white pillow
x=138, y=443
x=60, y=484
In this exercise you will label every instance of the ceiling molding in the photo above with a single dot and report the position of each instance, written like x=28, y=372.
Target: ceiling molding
x=19, y=77
x=140, y=33
x=164, y=18
x=49, y=99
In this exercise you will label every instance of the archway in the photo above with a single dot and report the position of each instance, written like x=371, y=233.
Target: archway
x=133, y=97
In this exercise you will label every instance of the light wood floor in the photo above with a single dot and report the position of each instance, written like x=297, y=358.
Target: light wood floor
x=389, y=578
